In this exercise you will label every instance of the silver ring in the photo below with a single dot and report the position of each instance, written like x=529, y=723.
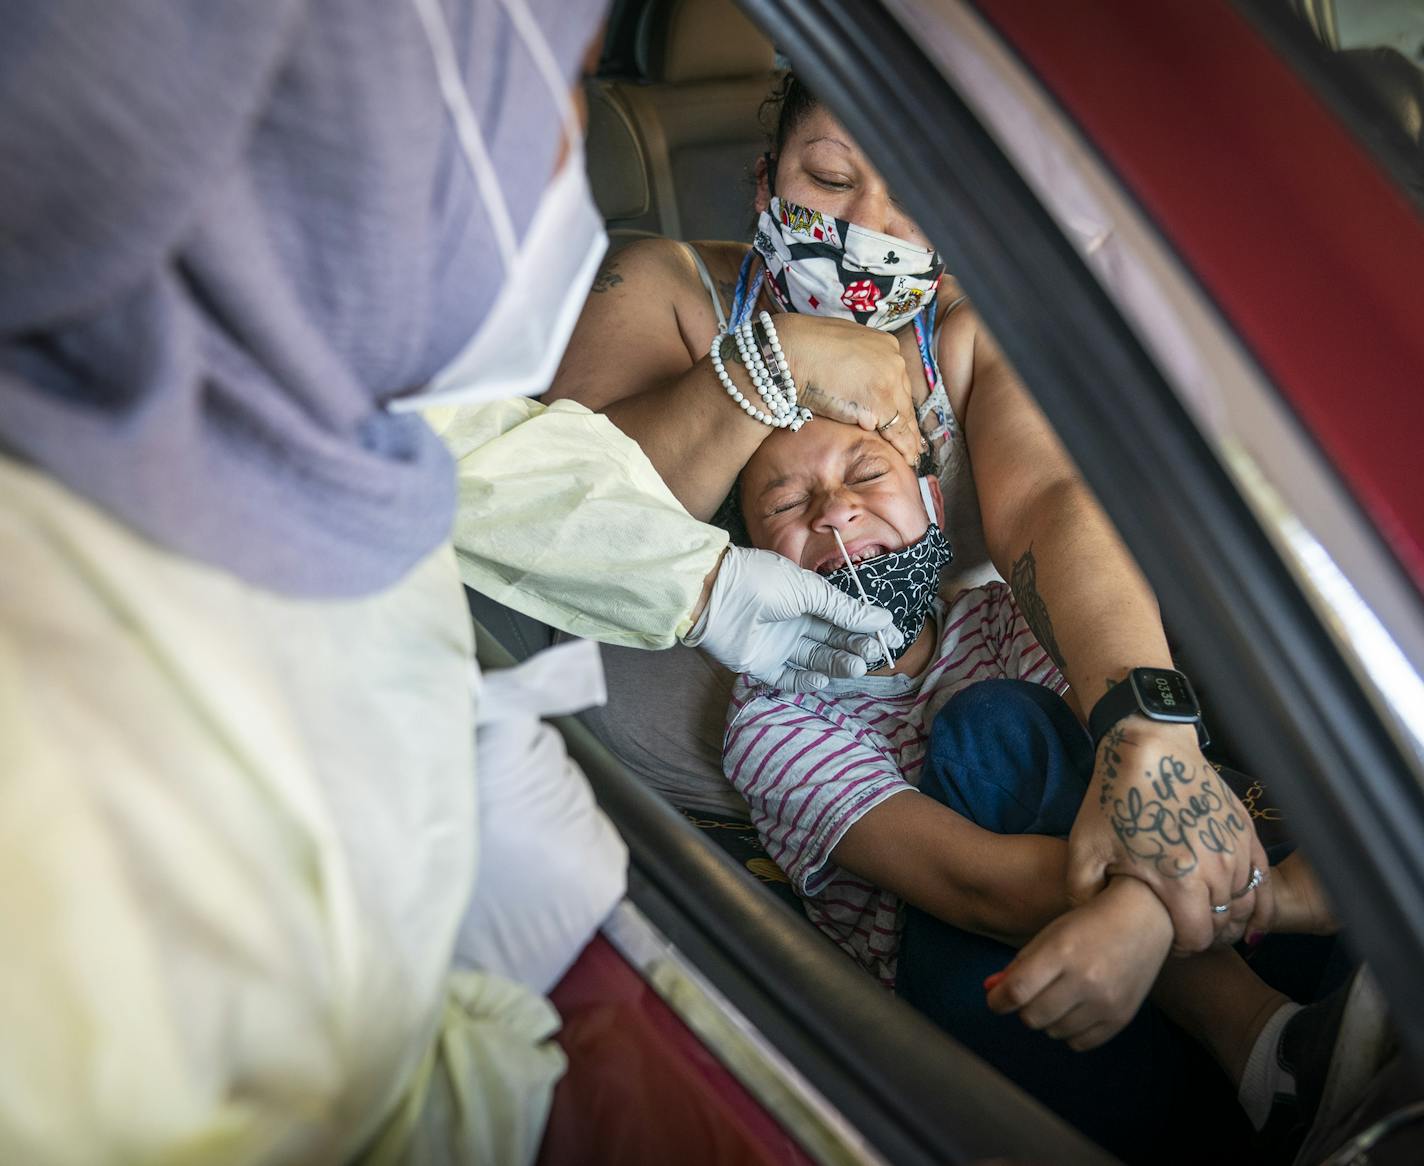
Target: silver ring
x=883, y=428
x=1256, y=879
x=1222, y=910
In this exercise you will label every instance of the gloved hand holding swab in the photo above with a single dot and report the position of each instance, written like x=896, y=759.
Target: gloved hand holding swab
x=786, y=626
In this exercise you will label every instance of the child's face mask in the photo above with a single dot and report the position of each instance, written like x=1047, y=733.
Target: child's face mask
x=904, y=582
x=831, y=267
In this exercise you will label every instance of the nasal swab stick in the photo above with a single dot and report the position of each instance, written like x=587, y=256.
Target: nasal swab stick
x=859, y=586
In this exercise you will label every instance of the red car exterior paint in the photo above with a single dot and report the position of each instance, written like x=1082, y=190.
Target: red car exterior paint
x=641, y=1087
x=1310, y=251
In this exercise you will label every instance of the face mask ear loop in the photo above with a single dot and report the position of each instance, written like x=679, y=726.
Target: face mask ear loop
x=928, y=499
x=467, y=128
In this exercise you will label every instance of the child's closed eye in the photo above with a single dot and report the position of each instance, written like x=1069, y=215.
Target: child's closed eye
x=785, y=505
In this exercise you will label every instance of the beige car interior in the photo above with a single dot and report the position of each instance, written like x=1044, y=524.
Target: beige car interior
x=663, y=141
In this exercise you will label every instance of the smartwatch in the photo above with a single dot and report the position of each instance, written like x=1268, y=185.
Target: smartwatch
x=1159, y=694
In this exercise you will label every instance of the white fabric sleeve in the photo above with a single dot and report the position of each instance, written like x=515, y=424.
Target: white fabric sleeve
x=562, y=517
x=807, y=780
x=552, y=865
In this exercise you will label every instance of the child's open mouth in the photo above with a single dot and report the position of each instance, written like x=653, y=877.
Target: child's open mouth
x=861, y=554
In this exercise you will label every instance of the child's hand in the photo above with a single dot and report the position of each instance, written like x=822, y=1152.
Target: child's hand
x=1300, y=903
x=1084, y=976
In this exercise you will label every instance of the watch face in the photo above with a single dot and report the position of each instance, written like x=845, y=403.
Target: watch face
x=1165, y=695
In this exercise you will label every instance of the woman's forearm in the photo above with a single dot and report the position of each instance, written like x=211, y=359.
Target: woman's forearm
x=1081, y=592
x=1077, y=586
x=1091, y=608
x=695, y=435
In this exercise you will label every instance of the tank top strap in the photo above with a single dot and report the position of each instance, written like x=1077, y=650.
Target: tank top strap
x=936, y=418
x=745, y=296
x=924, y=339
x=706, y=277
x=924, y=323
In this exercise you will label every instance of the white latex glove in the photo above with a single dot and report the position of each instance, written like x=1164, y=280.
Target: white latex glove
x=787, y=626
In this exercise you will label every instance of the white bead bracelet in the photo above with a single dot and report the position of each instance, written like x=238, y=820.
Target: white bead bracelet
x=783, y=415
x=731, y=386
x=778, y=369
x=761, y=376
x=775, y=359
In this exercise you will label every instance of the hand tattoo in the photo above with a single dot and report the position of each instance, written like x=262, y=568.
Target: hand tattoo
x=824, y=404
x=1023, y=580
x=1111, y=760
x=606, y=277
x=1185, y=812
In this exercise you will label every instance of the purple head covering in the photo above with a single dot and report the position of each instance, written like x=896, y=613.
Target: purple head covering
x=227, y=234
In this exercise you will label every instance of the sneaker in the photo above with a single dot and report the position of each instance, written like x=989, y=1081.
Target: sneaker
x=1332, y=1050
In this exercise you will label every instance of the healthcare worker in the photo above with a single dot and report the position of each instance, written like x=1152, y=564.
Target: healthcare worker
x=252, y=898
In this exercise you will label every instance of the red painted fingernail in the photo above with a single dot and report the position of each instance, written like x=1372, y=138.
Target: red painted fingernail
x=992, y=982
x=1254, y=938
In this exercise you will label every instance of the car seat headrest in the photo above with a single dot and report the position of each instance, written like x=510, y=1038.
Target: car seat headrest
x=617, y=167
x=704, y=40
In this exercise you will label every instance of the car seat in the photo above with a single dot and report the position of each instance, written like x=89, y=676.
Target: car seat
x=671, y=148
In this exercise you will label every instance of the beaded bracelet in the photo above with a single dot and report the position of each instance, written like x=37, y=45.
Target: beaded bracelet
x=788, y=418
x=775, y=359
x=731, y=386
x=750, y=350
x=779, y=370
x=756, y=339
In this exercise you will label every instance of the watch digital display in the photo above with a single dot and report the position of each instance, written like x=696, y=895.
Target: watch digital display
x=1164, y=695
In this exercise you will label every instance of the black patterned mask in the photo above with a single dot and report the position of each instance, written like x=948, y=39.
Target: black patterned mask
x=904, y=582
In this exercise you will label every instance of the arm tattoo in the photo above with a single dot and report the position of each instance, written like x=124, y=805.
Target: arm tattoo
x=728, y=288
x=1023, y=580
x=1182, y=813
x=607, y=277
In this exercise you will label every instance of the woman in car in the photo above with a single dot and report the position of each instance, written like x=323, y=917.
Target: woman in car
x=835, y=252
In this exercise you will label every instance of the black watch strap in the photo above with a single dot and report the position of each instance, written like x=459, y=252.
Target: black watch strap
x=1160, y=694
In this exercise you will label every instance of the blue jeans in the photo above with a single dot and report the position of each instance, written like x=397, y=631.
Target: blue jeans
x=1011, y=757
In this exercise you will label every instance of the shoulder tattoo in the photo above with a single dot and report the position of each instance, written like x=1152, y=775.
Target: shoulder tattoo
x=606, y=278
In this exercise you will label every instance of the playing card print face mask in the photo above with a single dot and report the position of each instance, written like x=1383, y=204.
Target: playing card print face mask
x=831, y=267
x=904, y=582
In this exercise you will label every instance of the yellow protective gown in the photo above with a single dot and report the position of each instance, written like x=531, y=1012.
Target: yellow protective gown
x=237, y=830
x=562, y=517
